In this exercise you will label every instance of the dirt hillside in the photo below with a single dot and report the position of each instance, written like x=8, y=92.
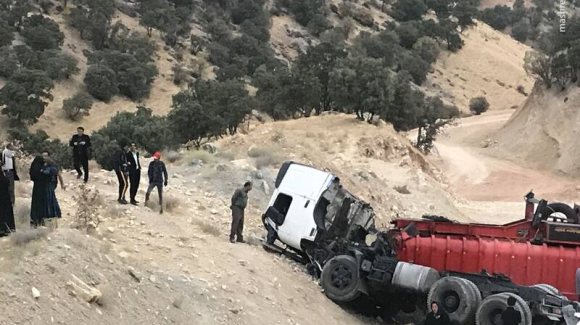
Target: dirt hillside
x=490, y=64
x=544, y=131
x=179, y=267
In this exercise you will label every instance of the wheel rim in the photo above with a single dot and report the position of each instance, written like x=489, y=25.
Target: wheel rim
x=450, y=301
x=341, y=277
x=495, y=317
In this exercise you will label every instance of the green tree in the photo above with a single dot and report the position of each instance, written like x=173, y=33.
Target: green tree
x=229, y=100
x=427, y=49
x=464, y=12
x=434, y=117
x=384, y=45
x=77, y=106
x=101, y=82
x=361, y=85
x=497, y=17
x=320, y=60
x=573, y=59
x=304, y=10
x=19, y=9
x=441, y=7
x=103, y=148
x=407, y=103
x=416, y=66
x=478, y=105
x=560, y=70
x=25, y=95
x=190, y=121
x=539, y=67
x=405, y=10
x=544, y=4
x=408, y=33
x=449, y=34
x=42, y=33
x=521, y=30
x=6, y=32
x=158, y=14
x=59, y=65
x=8, y=62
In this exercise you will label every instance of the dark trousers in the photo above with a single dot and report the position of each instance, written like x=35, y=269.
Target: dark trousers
x=123, y=185
x=84, y=162
x=237, y=223
x=10, y=175
x=159, y=191
x=134, y=179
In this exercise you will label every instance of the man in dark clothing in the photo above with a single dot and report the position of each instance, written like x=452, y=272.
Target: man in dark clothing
x=81, y=144
x=134, y=172
x=119, y=162
x=239, y=203
x=437, y=316
x=157, y=178
x=8, y=163
x=511, y=316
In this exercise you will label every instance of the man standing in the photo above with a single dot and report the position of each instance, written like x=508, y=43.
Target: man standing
x=134, y=172
x=81, y=144
x=511, y=316
x=9, y=168
x=58, y=177
x=119, y=162
x=239, y=203
x=157, y=178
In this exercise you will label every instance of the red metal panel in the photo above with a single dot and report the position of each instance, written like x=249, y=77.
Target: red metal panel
x=526, y=264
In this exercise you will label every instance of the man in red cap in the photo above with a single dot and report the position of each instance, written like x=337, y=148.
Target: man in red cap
x=157, y=178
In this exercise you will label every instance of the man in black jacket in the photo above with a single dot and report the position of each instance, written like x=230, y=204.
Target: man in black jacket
x=81, y=143
x=157, y=178
x=134, y=166
x=119, y=163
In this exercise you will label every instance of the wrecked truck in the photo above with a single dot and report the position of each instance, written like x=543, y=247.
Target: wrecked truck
x=320, y=223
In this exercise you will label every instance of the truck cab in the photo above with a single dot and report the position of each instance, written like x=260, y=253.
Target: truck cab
x=308, y=205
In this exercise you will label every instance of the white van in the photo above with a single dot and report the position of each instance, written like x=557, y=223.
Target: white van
x=309, y=205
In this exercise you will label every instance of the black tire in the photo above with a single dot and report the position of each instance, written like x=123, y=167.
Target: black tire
x=340, y=279
x=457, y=298
x=489, y=312
x=565, y=209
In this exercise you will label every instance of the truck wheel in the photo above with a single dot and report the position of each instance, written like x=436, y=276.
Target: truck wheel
x=548, y=289
x=457, y=297
x=476, y=292
x=489, y=312
x=340, y=279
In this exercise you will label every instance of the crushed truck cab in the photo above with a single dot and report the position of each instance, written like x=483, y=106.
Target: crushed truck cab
x=323, y=225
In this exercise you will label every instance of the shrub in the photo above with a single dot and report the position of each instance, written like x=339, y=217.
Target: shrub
x=427, y=49
x=478, y=105
x=60, y=65
x=172, y=156
x=101, y=82
x=199, y=155
x=25, y=95
x=42, y=33
x=363, y=17
x=521, y=30
x=77, y=106
x=180, y=75
x=25, y=236
x=86, y=217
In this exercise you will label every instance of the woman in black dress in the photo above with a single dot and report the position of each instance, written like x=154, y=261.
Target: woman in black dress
x=39, y=208
x=6, y=210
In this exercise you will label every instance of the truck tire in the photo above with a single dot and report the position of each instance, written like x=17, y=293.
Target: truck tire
x=489, y=312
x=476, y=292
x=457, y=297
x=340, y=279
x=565, y=209
x=548, y=289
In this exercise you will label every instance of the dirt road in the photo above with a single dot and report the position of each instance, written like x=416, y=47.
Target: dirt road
x=479, y=173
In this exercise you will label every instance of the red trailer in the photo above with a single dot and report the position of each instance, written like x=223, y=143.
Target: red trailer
x=542, y=248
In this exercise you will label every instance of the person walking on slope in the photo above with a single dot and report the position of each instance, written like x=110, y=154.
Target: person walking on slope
x=157, y=178
x=6, y=210
x=9, y=169
x=134, y=172
x=119, y=163
x=81, y=143
x=239, y=203
x=511, y=316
